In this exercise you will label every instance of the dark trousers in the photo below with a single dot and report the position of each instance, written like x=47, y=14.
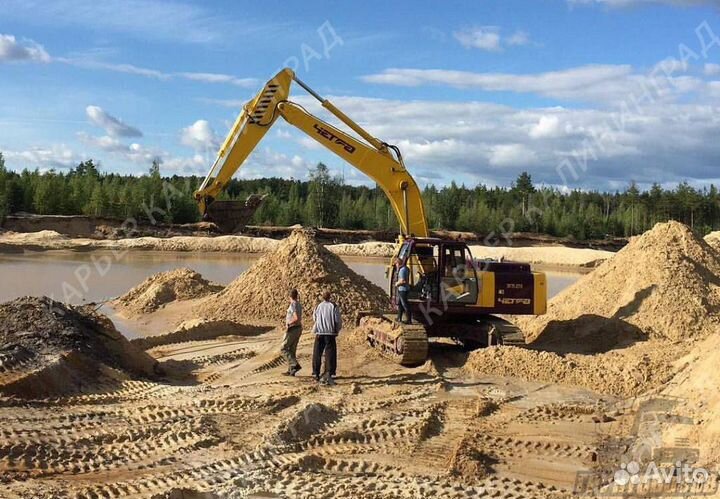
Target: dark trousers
x=403, y=306
x=325, y=343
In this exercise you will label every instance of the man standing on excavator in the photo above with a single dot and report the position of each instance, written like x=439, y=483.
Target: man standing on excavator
x=403, y=287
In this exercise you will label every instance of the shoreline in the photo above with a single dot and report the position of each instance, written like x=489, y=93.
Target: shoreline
x=550, y=258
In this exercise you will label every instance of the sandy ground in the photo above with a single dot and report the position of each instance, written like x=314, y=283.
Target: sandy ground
x=548, y=256
x=237, y=426
x=216, y=418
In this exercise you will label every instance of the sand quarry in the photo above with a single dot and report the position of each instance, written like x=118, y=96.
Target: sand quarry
x=197, y=407
x=549, y=257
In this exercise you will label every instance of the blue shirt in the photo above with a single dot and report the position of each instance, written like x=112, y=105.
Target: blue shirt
x=404, y=275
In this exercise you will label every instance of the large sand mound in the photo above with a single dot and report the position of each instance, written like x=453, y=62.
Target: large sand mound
x=47, y=348
x=165, y=287
x=619, y=329
x=663, y=285
x=300, y=262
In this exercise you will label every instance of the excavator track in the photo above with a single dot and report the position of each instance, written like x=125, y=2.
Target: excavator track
x=406, y=344
x=504, y=332
x=484, y=331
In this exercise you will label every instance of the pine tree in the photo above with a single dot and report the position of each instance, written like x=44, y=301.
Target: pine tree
x=524, y=187
x=633, y=193
x=323, y=197
x=98, y=201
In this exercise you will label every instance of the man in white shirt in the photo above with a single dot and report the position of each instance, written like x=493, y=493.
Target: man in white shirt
x=293, y=330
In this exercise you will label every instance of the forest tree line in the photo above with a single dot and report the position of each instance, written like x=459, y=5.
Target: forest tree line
x=325, y=201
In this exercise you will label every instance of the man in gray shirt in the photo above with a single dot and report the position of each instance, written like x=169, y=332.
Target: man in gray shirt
x=293, y=330
x=327, y=326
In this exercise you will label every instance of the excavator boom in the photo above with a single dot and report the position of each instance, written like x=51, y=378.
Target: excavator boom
x=380, y=161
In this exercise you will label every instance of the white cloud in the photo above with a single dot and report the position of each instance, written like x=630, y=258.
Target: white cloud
x=200, y=136
x=112, y=125
x=266, y=162
x=309, y=143
x=231, y=103
x=298, y=162
x=283, y=133
x=221, y=78
x=57, y=156
x=711, y=69
x=590, y=83
x=105, y=142
x=478, y=141
x=437, y=150
x=139, y=157
x=551, y=81
x=511, y=155
x=132, y=69
x=548, y=126
x=473, y=142
x=115, y=67
x=128, y=153
x=490, y=38
x=483, y=37
x=192, y=165
x=263, y=162
x=519, y=38
x=13, y=50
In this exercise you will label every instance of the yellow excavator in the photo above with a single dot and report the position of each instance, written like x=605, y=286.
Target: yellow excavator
x=451, y=294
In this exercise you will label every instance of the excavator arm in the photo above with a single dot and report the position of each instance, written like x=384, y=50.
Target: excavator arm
x=380, y=161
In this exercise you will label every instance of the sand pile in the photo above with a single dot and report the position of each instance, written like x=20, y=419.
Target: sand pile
x=618, y=329
x=165, y=287
x=308, y=421
x=662, y=285
x=48, y=348
x=261, y=293
x=369, y=249
x=468, y=463
x=622, y=373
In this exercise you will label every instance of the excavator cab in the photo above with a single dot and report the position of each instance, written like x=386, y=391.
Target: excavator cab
x=441, y=272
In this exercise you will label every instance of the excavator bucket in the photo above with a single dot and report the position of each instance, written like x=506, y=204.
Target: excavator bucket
x=233, y=216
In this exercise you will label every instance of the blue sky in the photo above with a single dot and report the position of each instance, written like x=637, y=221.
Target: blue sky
x=580, y=93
